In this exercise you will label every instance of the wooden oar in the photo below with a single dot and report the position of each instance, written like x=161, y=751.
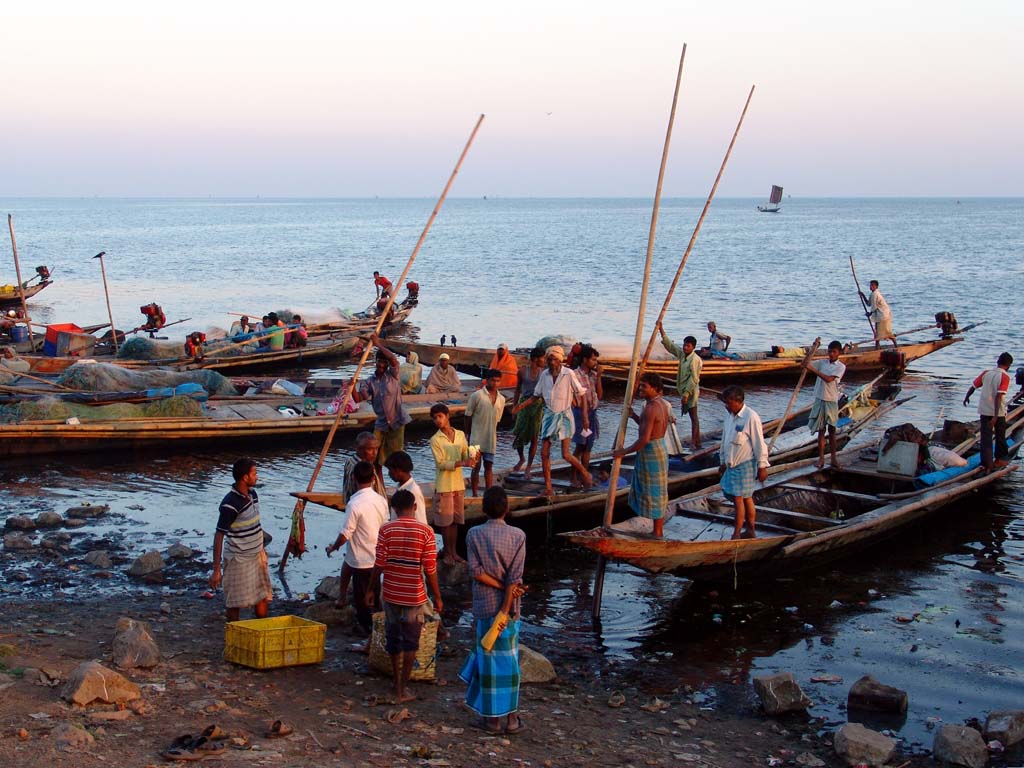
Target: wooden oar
x=860, y=295
x=792, y=400
x=627, y=401
x=17, y=271
x=300, y=505
x=106, y=292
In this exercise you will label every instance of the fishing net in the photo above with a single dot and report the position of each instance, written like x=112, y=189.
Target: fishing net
x=51, y=409
x=108, y=377
x=141, y=348
x=556, y=340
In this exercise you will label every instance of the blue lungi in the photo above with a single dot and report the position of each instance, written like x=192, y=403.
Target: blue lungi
x=739, y=481
x=493, y=676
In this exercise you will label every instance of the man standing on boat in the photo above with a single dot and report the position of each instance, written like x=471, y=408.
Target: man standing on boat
x=384, y=391
x=687, y=380
x=825, y=411
x=994, y=385
x=528, y=421
x=744, y=455
x=381, y=285
x=485, y=408
x=648, y=492
x=504, y=362
x=880, y=315
x=589, y=375
x=719, y=342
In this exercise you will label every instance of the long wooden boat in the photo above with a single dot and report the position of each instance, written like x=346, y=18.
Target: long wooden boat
x=868, y=403
x=10, y=296
x=225, y=419
x=754, y=365
x=805, y=516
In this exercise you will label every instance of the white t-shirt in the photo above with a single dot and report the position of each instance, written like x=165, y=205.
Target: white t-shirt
x=828, y=390
x=367, y=512
x=879, y=306
x=558, y=393
x=413, y=487
x=991, y=383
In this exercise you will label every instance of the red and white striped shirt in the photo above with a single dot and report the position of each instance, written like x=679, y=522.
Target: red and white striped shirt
x=991, y=383
x=405, y=551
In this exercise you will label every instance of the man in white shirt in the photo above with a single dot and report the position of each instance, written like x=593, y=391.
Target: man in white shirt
x=880, y=315
x=485, y=409
x=825, y=411
x=556, y=386
x=367, y=512
x=995, y=386
x=743, y=455
x=399, y=466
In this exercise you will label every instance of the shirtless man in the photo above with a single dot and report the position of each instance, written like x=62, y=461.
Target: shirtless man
x=648, y=493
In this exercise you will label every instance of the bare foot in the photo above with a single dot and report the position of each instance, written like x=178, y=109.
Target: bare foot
x=519, y=466
x=836, y=465
x=549, y=492
x=403, y=698
x=736, y=535
x=528, y=473
x=588, y=480
x=820, y=464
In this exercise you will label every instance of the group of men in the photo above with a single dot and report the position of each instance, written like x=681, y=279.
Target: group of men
x=271, y=332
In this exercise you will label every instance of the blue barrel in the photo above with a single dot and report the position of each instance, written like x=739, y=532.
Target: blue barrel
x=19, y=334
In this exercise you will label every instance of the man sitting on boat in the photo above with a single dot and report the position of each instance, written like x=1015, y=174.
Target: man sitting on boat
x=240, y=326
x=718, y=343
x=443, y=378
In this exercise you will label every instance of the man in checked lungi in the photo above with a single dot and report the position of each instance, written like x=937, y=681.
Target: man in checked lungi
x=825, y=410
x=497, y=553
x=246, y=576
x=648, y=491
x=744, y=454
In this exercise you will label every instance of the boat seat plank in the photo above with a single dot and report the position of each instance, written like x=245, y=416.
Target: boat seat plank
x=826, y=521
x=854, y=469
x=731, y=520
x=830, y=491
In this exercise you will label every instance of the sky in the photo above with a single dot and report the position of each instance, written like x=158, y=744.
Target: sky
x=320, y=99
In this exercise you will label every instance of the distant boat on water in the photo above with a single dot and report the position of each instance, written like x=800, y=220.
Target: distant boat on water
x=773, y=201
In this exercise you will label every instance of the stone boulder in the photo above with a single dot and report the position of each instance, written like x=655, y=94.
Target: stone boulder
x=49, y=520
x=856, y=744
x=20, y=523
x=59, y=541
x=134, y=646
x=452, y=574
x=179, y=551
x=1007, y=727
x=534, y=667
x=960, y=745
x=780, y=693
x=867, y=693
x=17, y=542
x=87, y=512
x=68, y=737
x=326, y=612
x=98, y=558
x=329, y=588
x=144, y=565
x=91, y=681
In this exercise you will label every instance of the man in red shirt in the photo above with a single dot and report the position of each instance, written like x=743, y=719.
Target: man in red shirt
x=405, y=551
x=994, y=385
x=381, y=285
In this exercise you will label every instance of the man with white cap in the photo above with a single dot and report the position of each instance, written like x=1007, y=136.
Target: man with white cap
x=504, y=362
x=443, y=377
x=556, y=386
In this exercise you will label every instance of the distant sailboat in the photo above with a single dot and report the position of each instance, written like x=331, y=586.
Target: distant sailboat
x=773, y=201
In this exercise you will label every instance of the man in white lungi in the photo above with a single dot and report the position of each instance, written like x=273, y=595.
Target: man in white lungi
x=880, y=315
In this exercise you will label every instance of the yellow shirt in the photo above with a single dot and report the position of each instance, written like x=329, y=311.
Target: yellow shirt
x=448, y=477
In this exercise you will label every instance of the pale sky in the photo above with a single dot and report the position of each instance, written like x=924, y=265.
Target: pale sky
x=362, y=99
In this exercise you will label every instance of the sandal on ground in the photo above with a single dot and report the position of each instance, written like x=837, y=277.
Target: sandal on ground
x=519, y=728
x=279, y=730
x=179, y=754
x=481, y=725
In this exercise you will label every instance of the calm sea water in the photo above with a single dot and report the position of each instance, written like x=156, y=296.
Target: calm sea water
x=515, y=270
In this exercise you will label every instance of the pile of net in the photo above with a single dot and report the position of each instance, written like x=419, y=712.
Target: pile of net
x=556, y=340
x=108, y=377
x=52, y=409
x=141, y=348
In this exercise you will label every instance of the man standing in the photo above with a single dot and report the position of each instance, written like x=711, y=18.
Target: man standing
x=557, y=386
x=880, y=315
x=405, y=552
x=687, y=380
x=399, y=466
x=485, y=408
x=451, y=454
x=384, y=391
x=505, y=364
x=648, y=492
x=367, y=448
x=744, y=454
x=528, y=420
x=381, y=285
x=443, y=378
x=825, y=411
x=589, y=376
x=994, y=385
x=367, y=512
x=246, y=575
x=719, y=342
x=497, y=554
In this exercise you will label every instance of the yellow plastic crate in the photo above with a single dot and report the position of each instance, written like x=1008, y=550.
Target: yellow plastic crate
x=281, y=641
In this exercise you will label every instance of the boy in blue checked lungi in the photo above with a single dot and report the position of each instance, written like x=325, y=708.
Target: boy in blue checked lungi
x=648, y=491
x=825, y=411
x=744, y=455
x=497, y=553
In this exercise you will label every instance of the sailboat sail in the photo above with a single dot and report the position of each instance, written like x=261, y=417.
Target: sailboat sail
x=776, y=195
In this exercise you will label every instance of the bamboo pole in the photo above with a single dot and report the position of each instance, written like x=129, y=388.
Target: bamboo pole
x=300, y=505
x=796, y=391
x=627, y=401
x=901, y=333
x=860, y=295
x=21, y=287
x=106, y=292
x=696, y=231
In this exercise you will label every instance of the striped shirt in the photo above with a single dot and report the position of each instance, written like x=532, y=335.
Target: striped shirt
x=239, y=521
x=499, y=550
x=992, y=383
x=405, y=551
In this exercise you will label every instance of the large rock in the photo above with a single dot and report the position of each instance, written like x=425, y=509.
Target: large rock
x=329, y=587
x=780, y=693
x=179, y=551
x=91, y=681
x=49, y=520
x=58, y=540
x=20, y=523
x=856, y=744
x=17, y=542
x=534, y=667
x=1007, y=727
x=326, y=612
x=960, y=745
x=133, y=645
x=98, y=558
x=452, y=574
x=68, y=737
x=868, y=693
x=151, y=562
x=87, y=512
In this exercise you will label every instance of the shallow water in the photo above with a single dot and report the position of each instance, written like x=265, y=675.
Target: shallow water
x=515, y=270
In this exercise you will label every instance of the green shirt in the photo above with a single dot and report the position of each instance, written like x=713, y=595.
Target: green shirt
x=688, y=375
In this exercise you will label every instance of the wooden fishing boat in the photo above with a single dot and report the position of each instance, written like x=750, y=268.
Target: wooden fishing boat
x=805, y=515
x=10, y=296
x=224, y=419
x=774, y=200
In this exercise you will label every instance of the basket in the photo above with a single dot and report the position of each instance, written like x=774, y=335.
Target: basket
x=281, y=641
x=425, y=665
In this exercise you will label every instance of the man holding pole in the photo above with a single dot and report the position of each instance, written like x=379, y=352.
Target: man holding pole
x=880, y=315
x=994, y=385
x=825, y=411
x=648, y=492
x=687, y=380
x=384, y=391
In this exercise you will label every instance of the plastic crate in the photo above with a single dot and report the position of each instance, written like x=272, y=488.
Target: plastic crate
x=281, y=641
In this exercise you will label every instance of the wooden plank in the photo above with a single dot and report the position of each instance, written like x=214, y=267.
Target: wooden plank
x=826, y=521
x=830, y=492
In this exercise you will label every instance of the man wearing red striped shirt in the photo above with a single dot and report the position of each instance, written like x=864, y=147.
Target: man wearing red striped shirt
x=994, y=385
x=405, y=551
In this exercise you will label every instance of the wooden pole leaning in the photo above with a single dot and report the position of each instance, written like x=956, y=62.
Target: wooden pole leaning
x=21, y=287
x=106, y=292
x=796, y=391
x=696, y=231
x=300, y=505
x=627, y=401
x=860, y=295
